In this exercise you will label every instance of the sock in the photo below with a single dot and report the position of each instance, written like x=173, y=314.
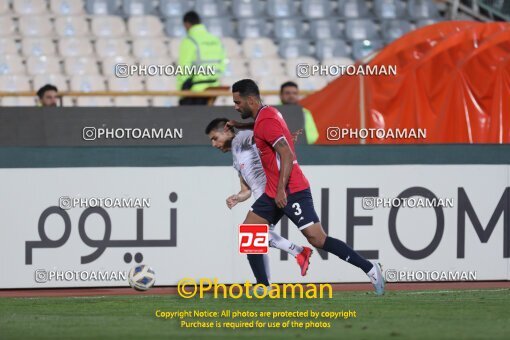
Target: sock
x=266, y=267
x=346, y=253
x=257, y=266
x=277, y=241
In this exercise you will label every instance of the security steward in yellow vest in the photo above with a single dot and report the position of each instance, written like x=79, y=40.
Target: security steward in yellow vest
x=199, y=47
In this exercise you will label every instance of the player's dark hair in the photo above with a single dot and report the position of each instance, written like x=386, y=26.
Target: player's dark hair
x=192, y=18
x=246, y=87
x=217, y=124
x=288, y=84
x=44, y=89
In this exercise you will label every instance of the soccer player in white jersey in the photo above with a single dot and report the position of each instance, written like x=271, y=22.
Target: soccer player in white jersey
x=253, y=181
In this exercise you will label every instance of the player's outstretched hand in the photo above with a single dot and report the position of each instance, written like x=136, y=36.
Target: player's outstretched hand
x=232, y=201
x=281, y=199
x=296, y=134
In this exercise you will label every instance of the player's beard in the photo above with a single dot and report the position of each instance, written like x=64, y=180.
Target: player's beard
x=246, y=113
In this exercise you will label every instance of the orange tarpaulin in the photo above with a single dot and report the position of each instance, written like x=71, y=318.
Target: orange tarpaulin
x=453, y=80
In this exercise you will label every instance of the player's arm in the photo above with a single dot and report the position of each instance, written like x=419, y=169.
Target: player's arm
x=286, y=162
x=239, y=125
x=241, y=196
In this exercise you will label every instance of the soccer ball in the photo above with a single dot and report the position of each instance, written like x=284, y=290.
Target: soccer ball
x=141, y=277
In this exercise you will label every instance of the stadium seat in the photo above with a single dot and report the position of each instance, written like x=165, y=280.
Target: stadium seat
x=330, y=48
x=271, y=100
x=363, y=48
x=295, y=48
x=108, y=26
x=426, y=22
x=174, y=28
x=360, y=29
x=74, y=47
x=55, y=79
x=163, y=60
x=35, y=26
x=150, y=47
x=108, y=64
x=281, y=8
x=236, y=68
x=312, y=83
x=422, y=9
x=161, y=83
x=291, y=64
x=42, y=65
x=111, y=47
x=228, y=81
x=173, y=48
x=37, y=46
x=87, y=83
x=259, y=48
x=210, y=8
x=271, y=83
x=174, y=8
x=131, y=101
x=8, y=46
x=145, y=26
x=343, y=61
x=220, y=27
x=4, y=7
x=288, y=29
x=247, y=8
x=102, y=7
x=389, y=9
x=314, y=9
x=81, y=66
x=68, y=101
x=133, y=83
x=11, y=64
x=231, y=47
x=8, y=26
x=137, y=7
x=252, y=28
x=67, y=7
x=30, y=7
x=325, y=29
x=18, y=101
x=266, y=67
x=94, y=101
x=161, y=101
x=14, y=83
x=352, y=9
x=394, y=29
x=71, y=26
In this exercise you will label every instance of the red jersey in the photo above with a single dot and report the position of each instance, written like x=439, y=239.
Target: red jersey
x=269, y=128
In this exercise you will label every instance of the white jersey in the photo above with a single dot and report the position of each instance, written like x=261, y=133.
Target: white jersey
x=247, y=162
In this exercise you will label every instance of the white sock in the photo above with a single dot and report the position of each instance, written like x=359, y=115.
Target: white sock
x=276, y=241
x=266, y=266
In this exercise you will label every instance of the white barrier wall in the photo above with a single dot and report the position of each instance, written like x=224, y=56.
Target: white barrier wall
x=200, y=240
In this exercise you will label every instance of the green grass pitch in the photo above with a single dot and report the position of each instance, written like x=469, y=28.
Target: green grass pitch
x=458, y=314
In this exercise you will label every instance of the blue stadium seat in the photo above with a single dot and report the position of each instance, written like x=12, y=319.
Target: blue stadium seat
x=210, y=8
x=137, y=7
x=361, y=29
x=331, y=48
x=174, y=8
x=247, y=8
x=252, y=28
x=281, y=8
x=389, y=9
x=174, y=27
x=394, y=29
x=352, y=9
x=288, y=29
x=363, y=48
x=314, y=9
x=221, y=27
x=294, y=48
x=102, y=7
x=422, y=9
x=325, y=29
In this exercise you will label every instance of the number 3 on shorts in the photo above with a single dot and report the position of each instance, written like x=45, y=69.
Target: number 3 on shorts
x=298, y=209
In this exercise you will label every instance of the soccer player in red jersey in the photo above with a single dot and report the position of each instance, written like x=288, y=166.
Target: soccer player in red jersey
x=287, y=190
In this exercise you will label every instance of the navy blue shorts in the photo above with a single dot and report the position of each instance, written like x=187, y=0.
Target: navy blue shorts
x=299, y=209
